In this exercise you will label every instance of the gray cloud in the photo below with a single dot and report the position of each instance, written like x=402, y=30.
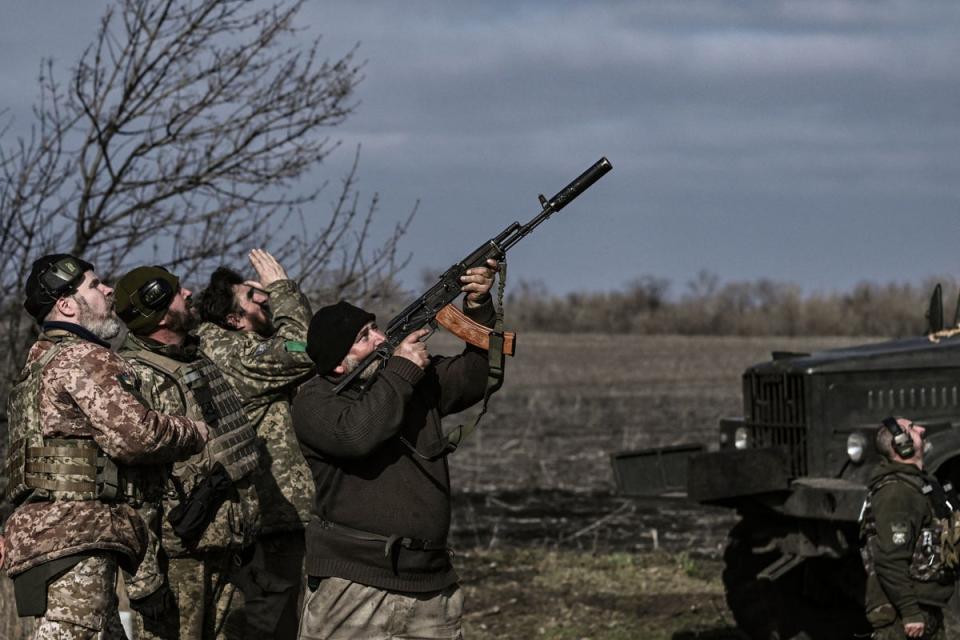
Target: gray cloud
x=794, y=140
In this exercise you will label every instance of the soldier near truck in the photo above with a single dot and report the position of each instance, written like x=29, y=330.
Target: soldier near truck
x=796, y=466
x=83, y=453
x=909, y=528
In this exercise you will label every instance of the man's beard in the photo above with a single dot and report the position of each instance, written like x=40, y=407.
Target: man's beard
x=182, y=322
x=350, y=364
x=105, y=326
x=263, y=328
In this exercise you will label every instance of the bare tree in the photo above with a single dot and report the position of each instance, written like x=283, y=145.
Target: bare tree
x=182, y=138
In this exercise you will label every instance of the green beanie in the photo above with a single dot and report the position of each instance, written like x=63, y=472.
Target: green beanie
x=143, y=296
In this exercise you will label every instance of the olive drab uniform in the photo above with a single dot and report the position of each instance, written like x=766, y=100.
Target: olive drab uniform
x=910, y=537
x=76, y=437
x=211, y=510
x=266, y=372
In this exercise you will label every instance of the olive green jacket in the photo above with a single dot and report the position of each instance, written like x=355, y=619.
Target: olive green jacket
x=901, y=512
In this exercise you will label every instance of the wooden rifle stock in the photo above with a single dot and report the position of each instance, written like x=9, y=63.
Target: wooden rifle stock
x=454, y=321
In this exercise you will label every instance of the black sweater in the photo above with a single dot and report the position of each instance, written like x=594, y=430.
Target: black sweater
x=368, y=479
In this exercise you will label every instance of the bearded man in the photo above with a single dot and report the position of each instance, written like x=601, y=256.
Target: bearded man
x=196, y=583
x=255, y=331
x=378, y=564
x=84, y=453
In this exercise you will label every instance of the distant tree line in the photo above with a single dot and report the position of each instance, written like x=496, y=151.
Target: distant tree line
x=708, y=307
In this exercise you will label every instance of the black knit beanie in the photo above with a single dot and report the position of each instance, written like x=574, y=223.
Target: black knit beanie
x=333, y=330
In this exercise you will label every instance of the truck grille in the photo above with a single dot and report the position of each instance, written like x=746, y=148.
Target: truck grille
x=777, y=416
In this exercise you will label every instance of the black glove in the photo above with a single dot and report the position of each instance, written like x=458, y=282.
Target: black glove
x=157, y=605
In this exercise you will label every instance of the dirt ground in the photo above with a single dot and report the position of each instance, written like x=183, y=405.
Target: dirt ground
x=536, y=593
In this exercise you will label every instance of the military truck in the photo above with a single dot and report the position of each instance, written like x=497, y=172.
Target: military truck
x=795, y=467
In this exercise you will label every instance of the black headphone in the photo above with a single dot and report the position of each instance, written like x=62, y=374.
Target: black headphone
x=156, y=294
x=902, y=442
x=153, y=295
x=61, y=278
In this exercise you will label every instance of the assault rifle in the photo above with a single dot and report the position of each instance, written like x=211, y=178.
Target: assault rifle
x=433, y=307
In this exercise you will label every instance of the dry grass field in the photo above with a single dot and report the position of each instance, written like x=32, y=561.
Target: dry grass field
x=569, y=401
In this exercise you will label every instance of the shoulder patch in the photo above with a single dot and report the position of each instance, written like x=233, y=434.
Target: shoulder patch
x=898, y=532
x=295, y=346
x=261, y=349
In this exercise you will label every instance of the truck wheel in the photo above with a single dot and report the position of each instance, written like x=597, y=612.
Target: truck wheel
x=813, y=601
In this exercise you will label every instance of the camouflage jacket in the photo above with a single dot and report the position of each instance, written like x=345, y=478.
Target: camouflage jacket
x=85, y=393
x=266, y=372
x=237, y=520
x=902, y=538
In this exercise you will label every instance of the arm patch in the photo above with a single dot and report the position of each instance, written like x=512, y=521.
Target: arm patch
x=899, y=532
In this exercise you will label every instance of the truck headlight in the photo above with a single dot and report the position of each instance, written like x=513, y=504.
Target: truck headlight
x=741, y=438
x=856, y=446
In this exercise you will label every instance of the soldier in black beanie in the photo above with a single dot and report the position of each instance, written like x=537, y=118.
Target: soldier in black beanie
x=377, y=556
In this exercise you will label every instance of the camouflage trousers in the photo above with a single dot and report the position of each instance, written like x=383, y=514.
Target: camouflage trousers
x=934, y=627
x=202, y=599
x=338, y=609
x=221, y=596
x=82, y=603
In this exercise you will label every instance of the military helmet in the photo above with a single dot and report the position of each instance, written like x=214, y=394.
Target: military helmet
x=52, y=277
x=143, y=296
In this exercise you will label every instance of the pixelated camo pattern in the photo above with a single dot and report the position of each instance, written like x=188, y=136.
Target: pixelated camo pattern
x=237, y=521
x=82, y=604
x=202, y=601
x=266, y=373
x=81, y=397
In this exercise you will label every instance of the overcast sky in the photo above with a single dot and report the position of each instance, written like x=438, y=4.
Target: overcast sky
x=815, y=142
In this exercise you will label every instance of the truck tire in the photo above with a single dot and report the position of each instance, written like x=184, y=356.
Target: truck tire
x=788, y=608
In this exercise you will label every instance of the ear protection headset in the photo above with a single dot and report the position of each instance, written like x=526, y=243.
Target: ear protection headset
x=902, y=442
x=156, y=294
x=61, y=277
x=152, y=296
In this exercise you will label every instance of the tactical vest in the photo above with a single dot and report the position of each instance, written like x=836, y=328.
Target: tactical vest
x=936, y=552
x=39, y=468
x=208, y=396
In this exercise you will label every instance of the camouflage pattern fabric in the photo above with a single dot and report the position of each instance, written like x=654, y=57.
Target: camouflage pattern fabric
x=236, y=523
x=266, y=372
x=203, y=599
x=150, y=574
x=83, y=395
x=82, y=604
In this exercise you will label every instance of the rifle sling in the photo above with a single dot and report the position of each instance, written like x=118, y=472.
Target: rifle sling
x=495, y=375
